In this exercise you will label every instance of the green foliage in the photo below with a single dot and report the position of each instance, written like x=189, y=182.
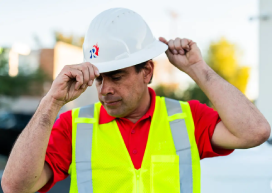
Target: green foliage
x=21, y=84
x=1, y=50
x=3, y=62
x=192, y=93
x=195, y=93
x=223, y=57
x=69, y=39
x=167, y=91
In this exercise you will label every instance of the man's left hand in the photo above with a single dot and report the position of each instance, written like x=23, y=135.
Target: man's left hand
x=183, y=53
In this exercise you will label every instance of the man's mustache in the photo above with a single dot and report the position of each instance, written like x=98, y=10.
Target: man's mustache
x=110, y=99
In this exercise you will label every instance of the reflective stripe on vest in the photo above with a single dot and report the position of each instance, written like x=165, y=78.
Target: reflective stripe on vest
x=182, y=144
x=84, y=149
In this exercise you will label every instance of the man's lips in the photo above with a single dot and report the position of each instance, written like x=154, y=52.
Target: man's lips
x=111, y=102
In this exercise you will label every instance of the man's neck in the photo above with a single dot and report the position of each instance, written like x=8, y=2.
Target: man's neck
x=141, y=109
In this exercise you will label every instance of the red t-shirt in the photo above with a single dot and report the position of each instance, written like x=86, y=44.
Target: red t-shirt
x=59, y=150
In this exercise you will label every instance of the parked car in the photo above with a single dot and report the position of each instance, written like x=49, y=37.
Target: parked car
x=11, y=125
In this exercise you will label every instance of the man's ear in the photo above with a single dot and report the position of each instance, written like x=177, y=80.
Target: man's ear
x=148, y=71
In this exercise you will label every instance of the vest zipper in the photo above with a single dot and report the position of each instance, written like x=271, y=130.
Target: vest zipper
x=137, y=181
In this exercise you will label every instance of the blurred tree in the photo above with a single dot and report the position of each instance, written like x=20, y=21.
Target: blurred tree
x=192, y=92
x=22, y=84
x=69, y=39
x=223, y=57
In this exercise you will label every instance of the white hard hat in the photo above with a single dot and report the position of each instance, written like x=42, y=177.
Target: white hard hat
x=118, y=38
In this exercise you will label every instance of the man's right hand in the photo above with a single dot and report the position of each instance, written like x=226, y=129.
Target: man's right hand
x=31, y=173
x=72, y=81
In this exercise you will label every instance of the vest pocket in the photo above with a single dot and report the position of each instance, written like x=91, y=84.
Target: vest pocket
x=164, y=174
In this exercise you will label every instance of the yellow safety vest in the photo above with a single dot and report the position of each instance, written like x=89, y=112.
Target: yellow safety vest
x=102, y=164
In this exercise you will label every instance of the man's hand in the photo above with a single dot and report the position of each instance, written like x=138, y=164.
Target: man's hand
x=182, y=53
x=72, y=81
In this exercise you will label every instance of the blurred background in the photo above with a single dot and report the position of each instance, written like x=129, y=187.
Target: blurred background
x=37, y=38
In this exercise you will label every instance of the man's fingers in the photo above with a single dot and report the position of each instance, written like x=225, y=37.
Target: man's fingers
x=89, y=71
x=91, y=74
x=96, y=71
x=90, y=83
x=171, y=44
x=93, y=70
x=79, y=78
x=178, y=47
x=85, y=71
x=185, y=44
x=172, y=47
x=76, y=74
x=177, y=44
x=182, y=52
x=163, y=40
x=169, y=54
x=193, y=46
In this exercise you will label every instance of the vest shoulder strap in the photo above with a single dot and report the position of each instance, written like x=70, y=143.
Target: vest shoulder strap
x=182, y=129
x=83, y=119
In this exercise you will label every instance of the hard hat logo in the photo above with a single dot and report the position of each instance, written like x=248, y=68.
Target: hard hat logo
x=94, y=51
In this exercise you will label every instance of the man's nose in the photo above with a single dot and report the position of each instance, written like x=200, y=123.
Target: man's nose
x=106, y=87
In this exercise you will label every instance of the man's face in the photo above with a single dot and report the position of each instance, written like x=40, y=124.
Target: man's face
x=121, y=91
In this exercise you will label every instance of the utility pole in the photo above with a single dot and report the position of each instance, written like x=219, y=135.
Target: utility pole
x=173, y=33
x=173, y=24
x=264, y=101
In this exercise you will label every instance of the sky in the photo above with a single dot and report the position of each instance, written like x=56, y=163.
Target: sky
x=201, y=21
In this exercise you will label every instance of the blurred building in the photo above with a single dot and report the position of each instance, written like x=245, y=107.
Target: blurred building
x=166, y=75
x=51, y=61
x=46, y=61
x=265, y=59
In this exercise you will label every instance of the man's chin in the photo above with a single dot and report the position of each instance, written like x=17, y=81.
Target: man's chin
x=114, y=112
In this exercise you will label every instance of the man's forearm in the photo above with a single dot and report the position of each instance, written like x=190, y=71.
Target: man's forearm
x=238, y=114
x=27, y=157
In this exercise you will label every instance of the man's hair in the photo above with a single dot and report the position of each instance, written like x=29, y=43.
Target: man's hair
x=140, y=67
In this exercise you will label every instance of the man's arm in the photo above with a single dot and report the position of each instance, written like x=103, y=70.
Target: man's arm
x=26, y=170
x=242, y=125
x=26, y=162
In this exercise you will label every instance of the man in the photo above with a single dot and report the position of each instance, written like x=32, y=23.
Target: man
x=132, y=141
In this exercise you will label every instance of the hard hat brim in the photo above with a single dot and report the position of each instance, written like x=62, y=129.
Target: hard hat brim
x=154, y=49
